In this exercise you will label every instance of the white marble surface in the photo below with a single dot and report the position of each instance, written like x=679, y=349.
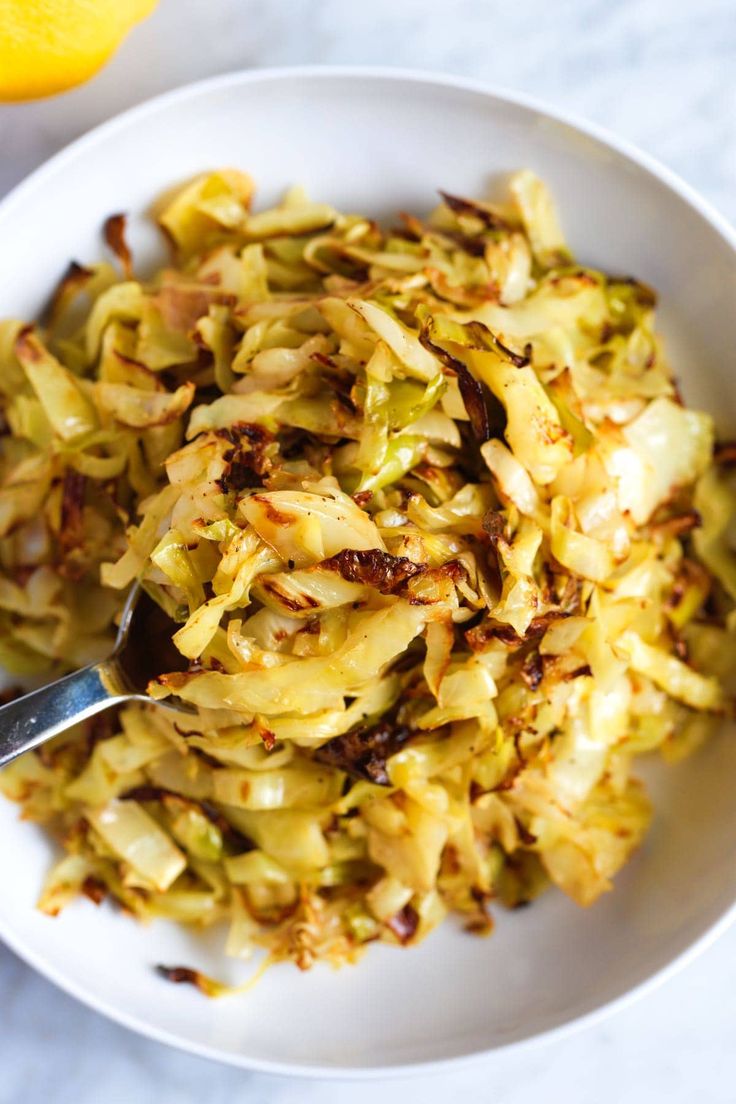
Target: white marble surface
x=660, y=72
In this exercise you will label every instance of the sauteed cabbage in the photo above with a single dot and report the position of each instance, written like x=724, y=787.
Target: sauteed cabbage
x=442, y=545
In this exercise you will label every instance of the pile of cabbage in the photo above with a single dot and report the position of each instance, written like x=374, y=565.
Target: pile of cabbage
x=442, y=546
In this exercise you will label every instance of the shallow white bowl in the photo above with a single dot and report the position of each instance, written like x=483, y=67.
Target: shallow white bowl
x=379, y=142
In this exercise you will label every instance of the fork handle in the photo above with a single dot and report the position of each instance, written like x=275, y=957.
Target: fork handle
x=36, y=717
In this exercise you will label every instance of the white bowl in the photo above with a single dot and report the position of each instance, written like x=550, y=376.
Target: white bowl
x=379, y=142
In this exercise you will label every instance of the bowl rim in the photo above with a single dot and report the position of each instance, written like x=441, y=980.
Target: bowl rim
x=670, y=179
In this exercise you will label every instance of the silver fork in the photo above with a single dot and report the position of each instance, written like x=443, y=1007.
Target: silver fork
x=143, y=650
